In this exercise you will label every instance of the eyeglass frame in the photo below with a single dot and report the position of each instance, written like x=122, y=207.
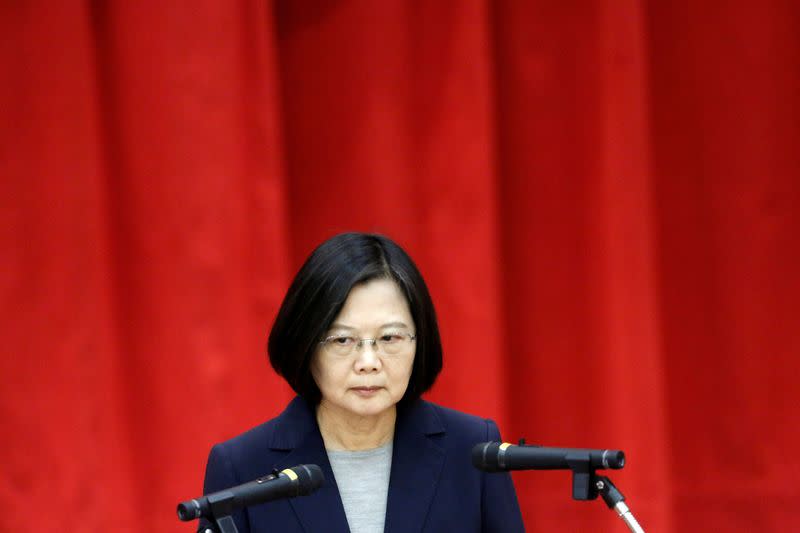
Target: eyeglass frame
x=360, y=342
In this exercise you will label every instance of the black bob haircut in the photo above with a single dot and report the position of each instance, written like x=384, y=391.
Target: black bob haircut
x=318, y=293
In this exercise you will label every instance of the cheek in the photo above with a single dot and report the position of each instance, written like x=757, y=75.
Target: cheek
x=410, y=366
x=401, y=370
x=328, y=375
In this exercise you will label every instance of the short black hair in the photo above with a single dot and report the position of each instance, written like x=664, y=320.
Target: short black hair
x=318, y=293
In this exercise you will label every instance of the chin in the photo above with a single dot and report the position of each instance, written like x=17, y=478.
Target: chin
x=370, y=407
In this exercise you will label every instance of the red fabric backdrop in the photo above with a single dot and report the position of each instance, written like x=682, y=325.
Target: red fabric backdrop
x=602, y=195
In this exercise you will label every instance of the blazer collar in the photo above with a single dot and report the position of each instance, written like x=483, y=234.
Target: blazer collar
x=417, y=462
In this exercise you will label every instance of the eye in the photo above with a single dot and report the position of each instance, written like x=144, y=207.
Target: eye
x=342, y=341
x=391, y=338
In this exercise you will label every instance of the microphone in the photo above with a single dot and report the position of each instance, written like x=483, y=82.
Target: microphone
x=295, y=481
x=501, y=457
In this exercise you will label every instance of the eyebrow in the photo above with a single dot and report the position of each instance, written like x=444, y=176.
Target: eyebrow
x=387, y=325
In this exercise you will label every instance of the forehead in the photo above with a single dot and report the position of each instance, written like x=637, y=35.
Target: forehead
x=376, y=302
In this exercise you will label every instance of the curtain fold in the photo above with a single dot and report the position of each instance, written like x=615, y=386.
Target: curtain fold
x=602, y=197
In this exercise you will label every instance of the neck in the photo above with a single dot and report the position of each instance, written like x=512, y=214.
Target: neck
x=346, y=431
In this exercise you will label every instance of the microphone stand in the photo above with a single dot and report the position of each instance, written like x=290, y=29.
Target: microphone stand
x=223, y=524
x=587, y=485
x=616, y=501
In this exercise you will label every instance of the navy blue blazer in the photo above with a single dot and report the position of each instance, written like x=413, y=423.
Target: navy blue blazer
x=433, y=486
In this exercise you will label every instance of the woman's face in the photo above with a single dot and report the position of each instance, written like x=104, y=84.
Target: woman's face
x=366, y=382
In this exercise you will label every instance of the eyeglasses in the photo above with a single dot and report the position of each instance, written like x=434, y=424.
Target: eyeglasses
x=387, y=344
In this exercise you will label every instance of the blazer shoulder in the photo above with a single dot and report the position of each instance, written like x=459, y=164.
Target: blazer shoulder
x=458, y=423
x=246, y=456
x=258, y=435
x=283, y=432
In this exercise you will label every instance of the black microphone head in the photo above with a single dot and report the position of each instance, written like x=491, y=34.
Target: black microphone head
x=485, y=456
x=188, y=510
x=309, y=478
x=613, y=459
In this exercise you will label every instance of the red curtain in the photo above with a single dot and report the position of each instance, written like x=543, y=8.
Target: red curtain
x=601, y=195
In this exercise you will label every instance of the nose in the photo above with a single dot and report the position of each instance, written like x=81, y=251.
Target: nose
x=367, y=360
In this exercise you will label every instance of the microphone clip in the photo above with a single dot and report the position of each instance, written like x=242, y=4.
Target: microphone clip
x=223, y=519
x=585, y=484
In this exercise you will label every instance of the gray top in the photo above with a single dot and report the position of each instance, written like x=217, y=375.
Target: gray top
x=363, y=480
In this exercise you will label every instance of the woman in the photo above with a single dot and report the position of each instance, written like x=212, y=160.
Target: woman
x=356, y=338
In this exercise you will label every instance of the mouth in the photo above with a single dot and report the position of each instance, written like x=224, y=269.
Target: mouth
x=366, y=391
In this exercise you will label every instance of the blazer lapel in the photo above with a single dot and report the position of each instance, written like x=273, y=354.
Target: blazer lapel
x=417, y=463
x=321, y=510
